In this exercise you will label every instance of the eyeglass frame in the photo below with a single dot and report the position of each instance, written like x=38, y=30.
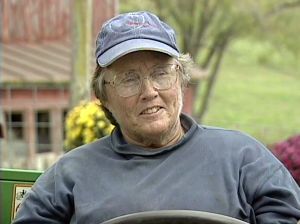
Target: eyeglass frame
x=113, y=82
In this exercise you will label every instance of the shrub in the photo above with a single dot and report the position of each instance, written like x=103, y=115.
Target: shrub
x=288, y=152
x=85, y=123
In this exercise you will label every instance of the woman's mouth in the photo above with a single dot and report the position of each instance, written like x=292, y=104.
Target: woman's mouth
x=151, y=110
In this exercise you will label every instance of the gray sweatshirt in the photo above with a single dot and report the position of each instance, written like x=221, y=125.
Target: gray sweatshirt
x=210, y=169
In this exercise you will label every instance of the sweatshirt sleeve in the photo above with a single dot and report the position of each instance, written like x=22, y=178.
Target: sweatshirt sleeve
x=277, y=200
x=270, y=189
x=49, y=201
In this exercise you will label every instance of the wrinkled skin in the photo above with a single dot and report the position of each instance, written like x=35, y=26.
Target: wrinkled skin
x=150, y=118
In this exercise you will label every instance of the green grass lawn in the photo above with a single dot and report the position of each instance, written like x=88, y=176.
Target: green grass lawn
x=260, y=101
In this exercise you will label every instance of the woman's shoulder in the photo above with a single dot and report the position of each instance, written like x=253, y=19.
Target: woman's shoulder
x=84, y=156
x=226, y=134
x=231, y=141
x=97, y=147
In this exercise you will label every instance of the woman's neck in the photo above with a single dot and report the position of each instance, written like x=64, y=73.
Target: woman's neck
x=154, y=142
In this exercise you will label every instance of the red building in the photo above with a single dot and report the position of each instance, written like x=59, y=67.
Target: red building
x=35, y=71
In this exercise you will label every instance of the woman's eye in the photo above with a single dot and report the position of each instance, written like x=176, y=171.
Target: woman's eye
x=160, y=72
x=129, y=79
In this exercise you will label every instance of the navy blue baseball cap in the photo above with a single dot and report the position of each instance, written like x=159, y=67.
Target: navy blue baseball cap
x=134, y=31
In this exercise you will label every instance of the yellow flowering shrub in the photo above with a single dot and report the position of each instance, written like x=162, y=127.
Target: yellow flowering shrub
x=85, y=123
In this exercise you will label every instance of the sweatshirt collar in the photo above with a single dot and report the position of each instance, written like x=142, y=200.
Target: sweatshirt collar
x=120, y=146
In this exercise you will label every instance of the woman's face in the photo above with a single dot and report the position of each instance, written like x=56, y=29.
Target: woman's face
x=151, y=117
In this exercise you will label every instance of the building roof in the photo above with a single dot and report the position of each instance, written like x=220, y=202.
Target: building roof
x=44, y=63
x=47, y=62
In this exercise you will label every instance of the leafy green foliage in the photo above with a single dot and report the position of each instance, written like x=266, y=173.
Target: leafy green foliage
x=256, y=99
x=265, y=53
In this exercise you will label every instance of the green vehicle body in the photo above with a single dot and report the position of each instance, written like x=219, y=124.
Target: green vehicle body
x=13, y=185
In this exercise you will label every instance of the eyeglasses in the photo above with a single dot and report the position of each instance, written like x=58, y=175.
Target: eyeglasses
x=129, y=83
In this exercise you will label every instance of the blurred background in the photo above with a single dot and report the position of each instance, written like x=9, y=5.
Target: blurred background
x=246, y=74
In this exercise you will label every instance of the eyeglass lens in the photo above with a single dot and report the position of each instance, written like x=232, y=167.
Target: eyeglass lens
x=161, y=78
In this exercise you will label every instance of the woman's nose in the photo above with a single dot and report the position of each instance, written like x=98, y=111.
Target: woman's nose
x=147, y=88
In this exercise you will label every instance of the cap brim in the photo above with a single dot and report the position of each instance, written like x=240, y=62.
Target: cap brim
x=129, y=46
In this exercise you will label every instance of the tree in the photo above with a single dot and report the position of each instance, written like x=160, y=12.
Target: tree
x=206, y=29
x=81, y=49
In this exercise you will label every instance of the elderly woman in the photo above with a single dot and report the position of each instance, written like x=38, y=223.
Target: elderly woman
x=157, y=158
